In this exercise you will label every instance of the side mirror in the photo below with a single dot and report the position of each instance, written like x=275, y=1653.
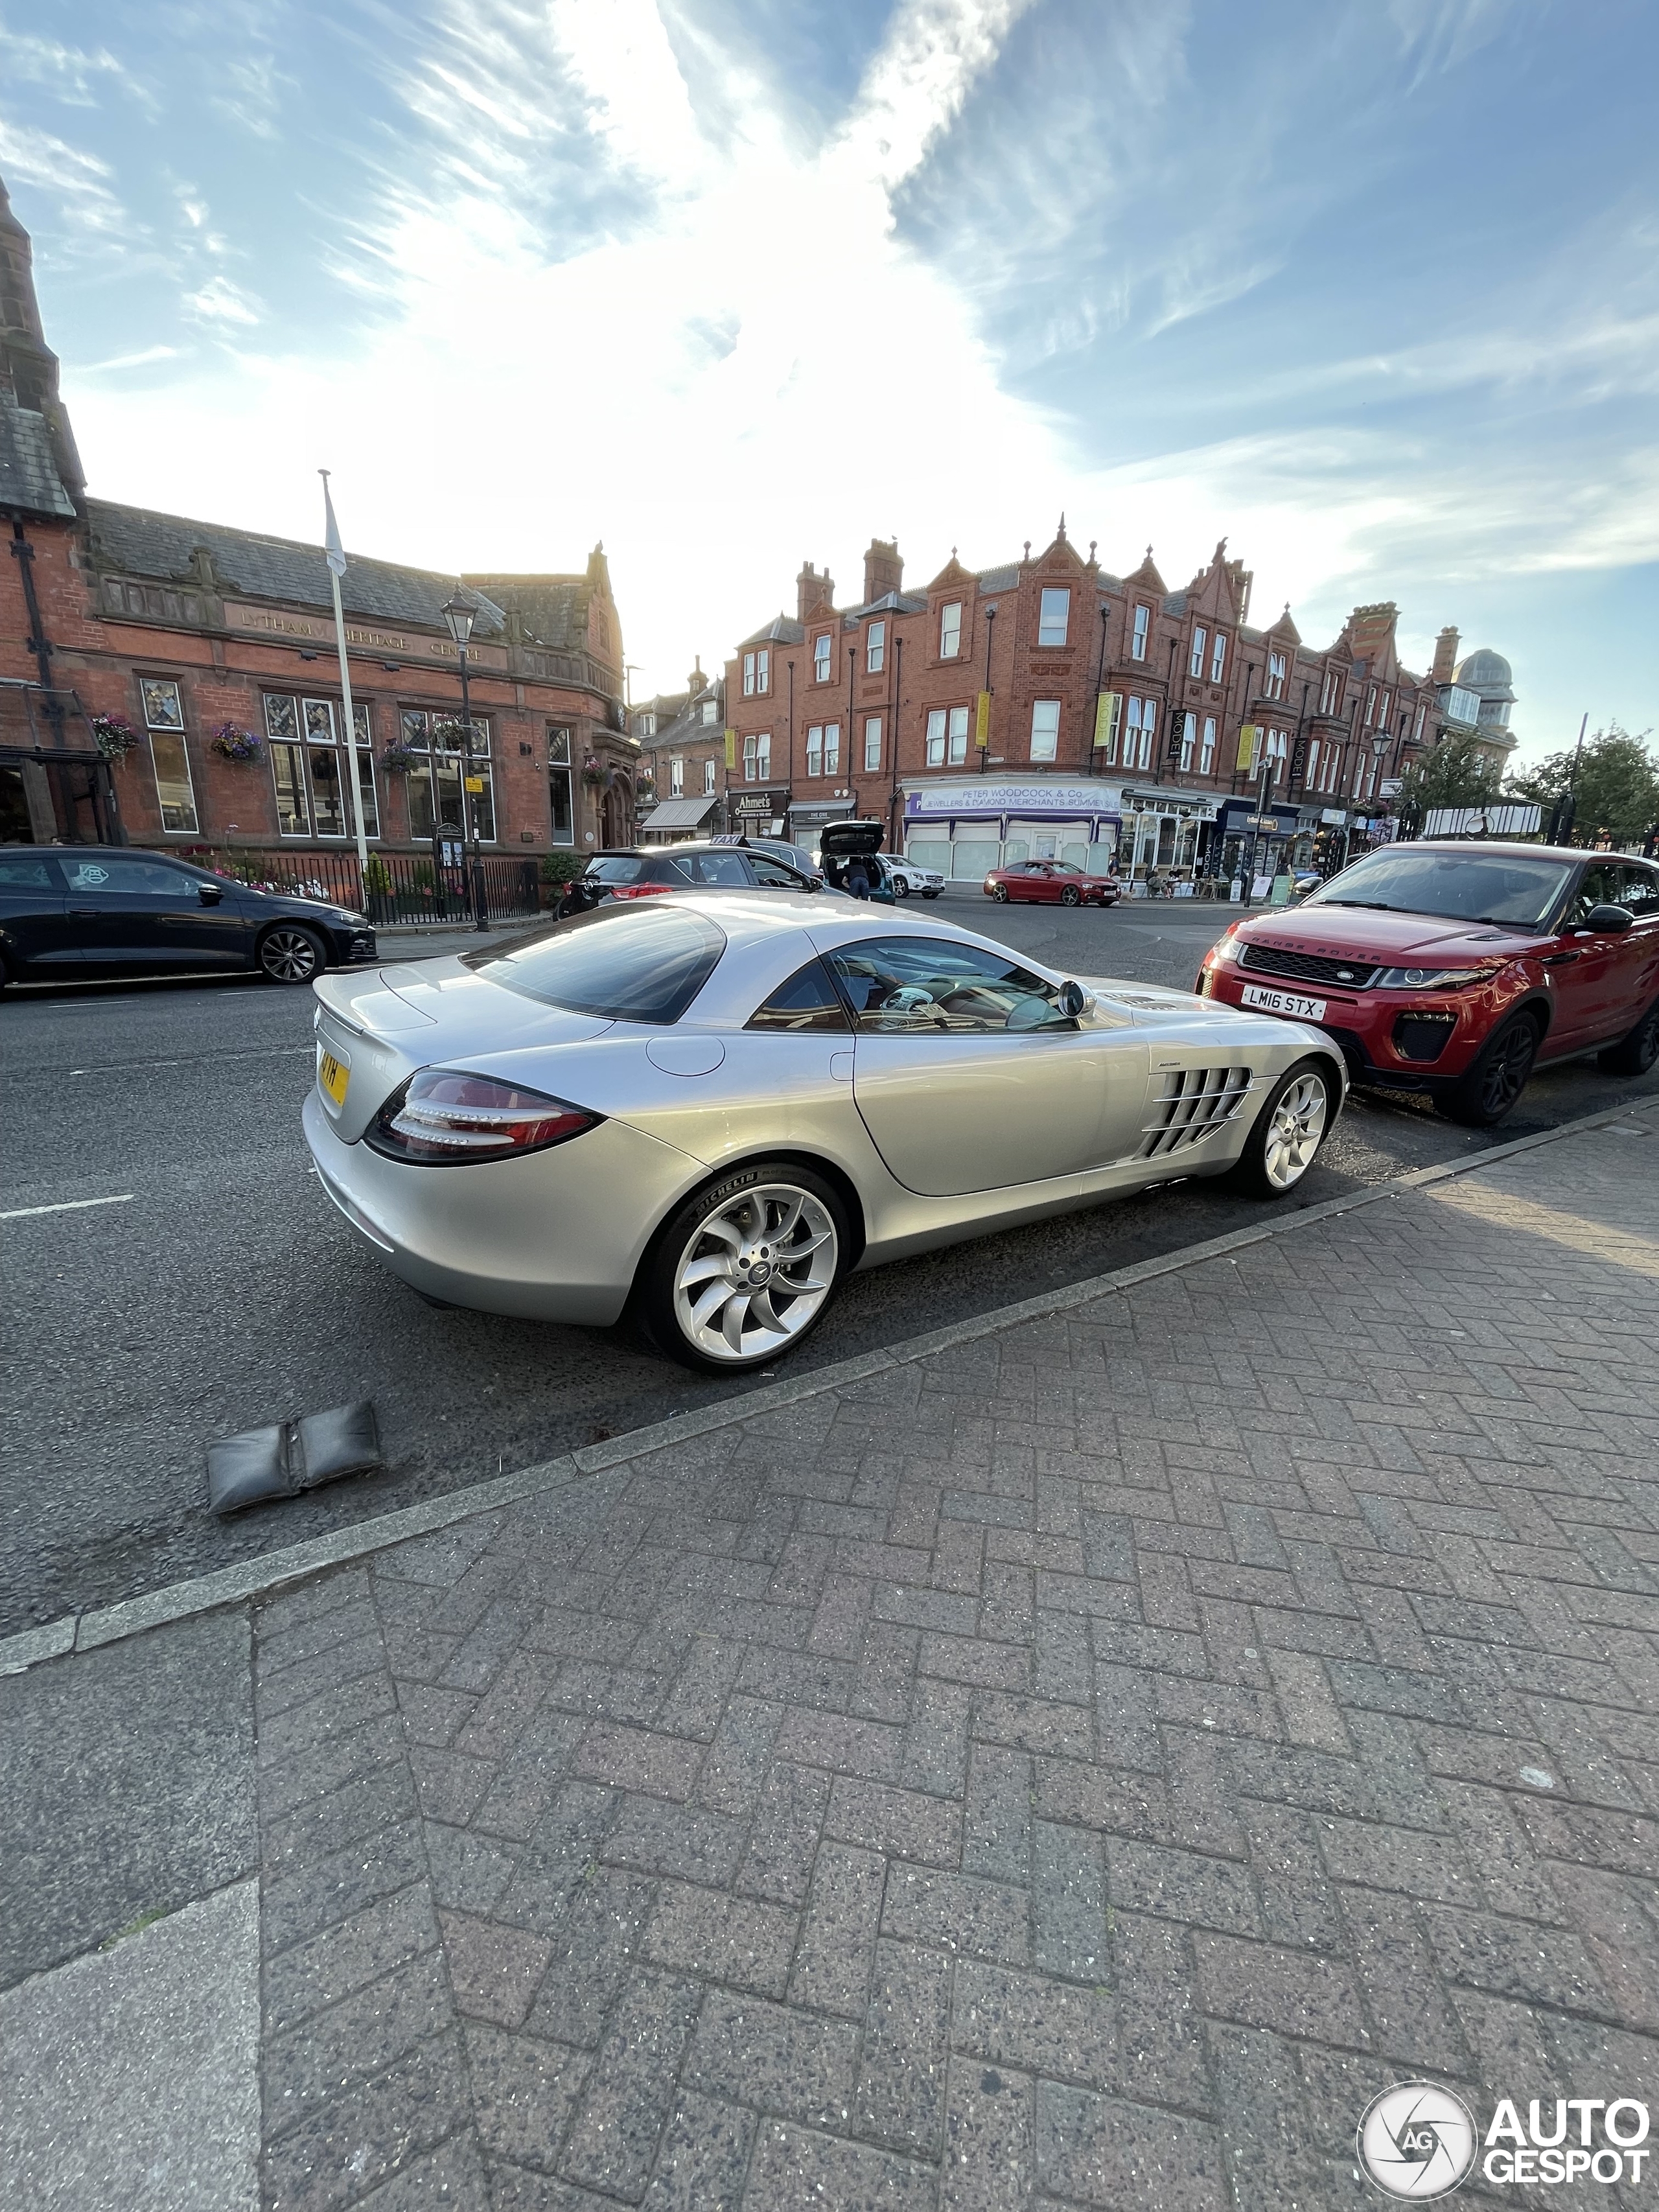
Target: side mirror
x=1608, y=920
x=209, y=894
x=1073, y=1000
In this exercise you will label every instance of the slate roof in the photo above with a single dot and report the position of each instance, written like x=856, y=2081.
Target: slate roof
x=999, y=579
x=781, y=630
x=29, y=471
x=138, y=543
x=553, y=609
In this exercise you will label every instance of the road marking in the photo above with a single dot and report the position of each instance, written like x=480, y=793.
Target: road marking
x=67, y=1206
x=194, y=1058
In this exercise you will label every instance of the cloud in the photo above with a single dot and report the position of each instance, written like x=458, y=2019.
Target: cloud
x=131, y=360
x=81, y=184
x=219, y=300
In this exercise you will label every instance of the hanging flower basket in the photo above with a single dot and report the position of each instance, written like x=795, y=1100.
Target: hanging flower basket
x=114, y=735
x=449, y=735
x=595, y=774
x=231, y=744
x=398, y=759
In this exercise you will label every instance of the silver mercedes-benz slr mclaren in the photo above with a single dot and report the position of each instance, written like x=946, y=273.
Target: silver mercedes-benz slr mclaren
x=705, y=1111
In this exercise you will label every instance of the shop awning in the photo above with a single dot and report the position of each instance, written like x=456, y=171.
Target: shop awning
x=678, y=813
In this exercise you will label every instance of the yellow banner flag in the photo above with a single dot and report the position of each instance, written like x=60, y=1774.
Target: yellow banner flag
x=982, y=721
x=731, y=749
x=1249, y=739
x=1108, y=710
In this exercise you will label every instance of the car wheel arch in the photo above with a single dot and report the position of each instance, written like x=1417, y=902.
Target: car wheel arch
x=773, y=1155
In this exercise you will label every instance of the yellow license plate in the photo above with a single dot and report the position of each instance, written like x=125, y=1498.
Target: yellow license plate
x=332, y=1078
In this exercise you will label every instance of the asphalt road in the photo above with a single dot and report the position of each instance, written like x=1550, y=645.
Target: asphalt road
x=224, y=1291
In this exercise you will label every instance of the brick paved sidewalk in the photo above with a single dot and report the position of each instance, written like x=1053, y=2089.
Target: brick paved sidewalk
x=1078, y=1769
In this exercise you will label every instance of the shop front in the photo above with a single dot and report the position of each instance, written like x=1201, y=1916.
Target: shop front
x=965, y=828
x=808, y=817
x=1166, y=837
x=758, y=813
x=1255, y=846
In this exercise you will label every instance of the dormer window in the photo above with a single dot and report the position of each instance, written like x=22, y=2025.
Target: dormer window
x=711, y=711
x=950, y=631
x=1054, y=617
x=648, y=726
x=821, y=657
x=756, y=674
x=1138, y=629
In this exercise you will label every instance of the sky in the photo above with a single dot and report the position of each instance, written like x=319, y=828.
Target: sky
x=1370, y=287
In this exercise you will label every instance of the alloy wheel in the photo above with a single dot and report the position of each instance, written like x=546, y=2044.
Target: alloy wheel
x=1000, y=894
x=1504, y=1076
x=755, y=1271
x=1070, y=895
x=289, y=956
x=1294, y=1132
x=901, y=888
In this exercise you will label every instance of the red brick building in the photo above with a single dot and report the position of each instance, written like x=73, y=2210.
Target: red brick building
x=139, y=653
x=1047, y=706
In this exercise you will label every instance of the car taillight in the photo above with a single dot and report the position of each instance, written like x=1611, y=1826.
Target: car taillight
x=639, y=890
x=442, y=1118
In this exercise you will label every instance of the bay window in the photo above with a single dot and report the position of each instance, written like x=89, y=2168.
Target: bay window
x=436, y=799
x=756, y=674
x=310, y=777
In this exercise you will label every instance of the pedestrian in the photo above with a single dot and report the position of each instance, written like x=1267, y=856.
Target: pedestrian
x=857, y=876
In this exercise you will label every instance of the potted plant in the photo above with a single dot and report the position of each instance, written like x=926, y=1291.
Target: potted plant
x=114, y=736
x=231, y=744
x=378, y=890
x=397, y=759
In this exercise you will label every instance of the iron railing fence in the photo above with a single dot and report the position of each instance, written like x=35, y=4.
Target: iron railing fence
x=410, y=886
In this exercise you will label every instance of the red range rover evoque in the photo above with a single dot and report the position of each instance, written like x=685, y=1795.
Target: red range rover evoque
x=1453, y=968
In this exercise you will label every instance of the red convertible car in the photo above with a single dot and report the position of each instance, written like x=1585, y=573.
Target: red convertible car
x=1053, y=880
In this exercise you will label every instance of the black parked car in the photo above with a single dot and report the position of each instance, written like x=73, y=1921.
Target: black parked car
x=71, y=911
x=642, y=871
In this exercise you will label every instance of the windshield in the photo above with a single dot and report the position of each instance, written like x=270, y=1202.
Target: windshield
x=1461, y=886
x=639, y=962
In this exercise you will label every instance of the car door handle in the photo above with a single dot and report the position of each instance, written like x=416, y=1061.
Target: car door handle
x=1560, y=959
x=84, y=913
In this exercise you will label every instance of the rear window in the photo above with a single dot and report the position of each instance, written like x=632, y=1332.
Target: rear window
x=625, y=869
x=632, y=961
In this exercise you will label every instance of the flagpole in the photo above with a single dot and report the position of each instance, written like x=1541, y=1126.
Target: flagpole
x=335, y=555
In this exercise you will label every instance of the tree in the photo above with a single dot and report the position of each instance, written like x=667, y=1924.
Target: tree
x=1458, y=772
x=1615, y=791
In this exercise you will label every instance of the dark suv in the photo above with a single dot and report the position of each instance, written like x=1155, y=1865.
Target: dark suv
x=640, y=871
x=69, y=913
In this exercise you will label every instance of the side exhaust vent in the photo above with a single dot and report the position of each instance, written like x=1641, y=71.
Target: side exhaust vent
x=1194, y=1102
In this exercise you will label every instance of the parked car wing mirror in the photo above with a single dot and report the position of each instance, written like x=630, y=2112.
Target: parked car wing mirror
x=1073, y=1000
x=209, y=894
x=1607, y=921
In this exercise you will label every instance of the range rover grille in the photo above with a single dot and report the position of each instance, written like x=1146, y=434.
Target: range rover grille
x=1309, y=967
x=1194, y=1102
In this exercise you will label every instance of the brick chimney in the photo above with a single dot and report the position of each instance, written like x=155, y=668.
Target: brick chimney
x=884, y=571
x=813, y=590
x=1445, y=656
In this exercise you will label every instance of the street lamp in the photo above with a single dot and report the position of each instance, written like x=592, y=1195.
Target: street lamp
x=460, y=615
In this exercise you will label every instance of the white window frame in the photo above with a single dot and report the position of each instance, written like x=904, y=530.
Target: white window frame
x=170, y=728
x=832, y=748
x=711, y=711
x=1206, y=752
x=1139, y=629
x=875, y=648
x=762, y=672
x=1195, y=659
x=1053, y=627
x=950, y=631
x=676, y=776
x=1141, y=734
x=1218, y=656
x=1045, y=729
x=821, y=657
x=937, y=722
x=815, y=750
x=871, y=744
x=1276, y=674
x=1188, y=741
x=958, y=735
x=708, y=777
x=757, y=757
x=1310, y=775
x=749, y=676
